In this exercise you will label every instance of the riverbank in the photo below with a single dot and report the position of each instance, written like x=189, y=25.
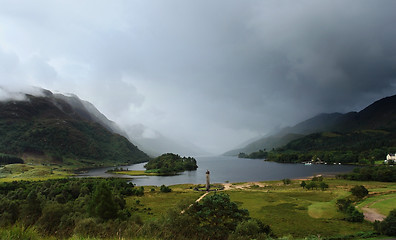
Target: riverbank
x=136, y=173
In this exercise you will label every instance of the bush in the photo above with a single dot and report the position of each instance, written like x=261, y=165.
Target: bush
x=19, y=233
x=343, y=204
x=87, y=227
x=51, y=217
x=359, y=191
x=388, y=226
x=323, y=186
x=165, y=189
x=311, y=185
x=252, y=229
x=353, y=215
x=102, y=203
x=286, y=181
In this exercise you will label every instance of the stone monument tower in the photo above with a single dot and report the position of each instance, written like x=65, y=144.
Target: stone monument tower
x=207, y=180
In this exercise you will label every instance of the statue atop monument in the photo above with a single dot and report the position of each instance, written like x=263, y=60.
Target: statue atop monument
x=207, y=180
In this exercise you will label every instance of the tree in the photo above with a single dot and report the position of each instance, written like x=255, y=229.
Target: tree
x=323, y=186
x=303, y=184
x=51, y=217
x=343, y=204
x=359, y=191
x=353, y=215
x=253, y=229
x=216, y=216
x=31, y=211
x=286, y=181
x=388, y=226
x=102, y=203
x=311, y=185
x=165, y=189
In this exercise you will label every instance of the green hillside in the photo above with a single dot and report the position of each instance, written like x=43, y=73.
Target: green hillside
x=355, y=137
x=50, y=128
x=353, y=128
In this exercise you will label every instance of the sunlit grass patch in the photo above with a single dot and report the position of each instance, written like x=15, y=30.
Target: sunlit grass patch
x=155, y=204
x=17, y=172
x=323, y=210
x=289, y=212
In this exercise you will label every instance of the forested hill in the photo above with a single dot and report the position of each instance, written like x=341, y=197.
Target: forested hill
x=356, y=137
x=381, y=115
x=49, y=125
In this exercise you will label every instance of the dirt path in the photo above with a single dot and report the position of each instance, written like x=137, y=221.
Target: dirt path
x=229, y=186
x=372, y=215
x=199, y=199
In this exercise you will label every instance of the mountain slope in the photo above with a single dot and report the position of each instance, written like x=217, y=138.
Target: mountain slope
x=322, y=122
x=381, y=115
x=49, y=126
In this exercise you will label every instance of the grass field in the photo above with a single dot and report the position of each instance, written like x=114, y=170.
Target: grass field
x=155, y=204
x=297, y=213
x=288, y=209
x=32, y=172
x=383, y=203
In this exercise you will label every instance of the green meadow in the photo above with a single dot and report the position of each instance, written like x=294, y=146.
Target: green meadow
x=290, y=210
x=32, y=172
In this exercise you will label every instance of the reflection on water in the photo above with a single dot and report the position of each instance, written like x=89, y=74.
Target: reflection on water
x=230, y=169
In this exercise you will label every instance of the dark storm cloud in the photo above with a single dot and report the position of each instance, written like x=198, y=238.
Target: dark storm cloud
x=213, y=72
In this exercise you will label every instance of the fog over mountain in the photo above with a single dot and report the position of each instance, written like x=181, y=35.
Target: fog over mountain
x=212, y=74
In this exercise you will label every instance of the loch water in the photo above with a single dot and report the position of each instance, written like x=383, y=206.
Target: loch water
x=231, y=169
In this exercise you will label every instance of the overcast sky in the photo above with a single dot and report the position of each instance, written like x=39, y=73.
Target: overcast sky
x=215, y=73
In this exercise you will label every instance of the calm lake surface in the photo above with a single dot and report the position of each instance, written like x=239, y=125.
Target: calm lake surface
x=230, y=169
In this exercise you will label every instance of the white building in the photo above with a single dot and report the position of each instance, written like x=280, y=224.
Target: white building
x=390, y=157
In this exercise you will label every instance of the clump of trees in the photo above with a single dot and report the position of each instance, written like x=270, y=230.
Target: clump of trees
x=315, y=183
x=383, y=173
x=352, y=214
x=214, y=217
x=165, y=189
x=96, y=208
x=359, y=191
x=359, y=147
x=171, y=163
x=261, y=154
x=9, y=159
x=346, y=206
x=388, y=225
x=63, y=207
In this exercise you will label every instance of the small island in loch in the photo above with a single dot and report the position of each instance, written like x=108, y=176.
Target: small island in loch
x=165, y=165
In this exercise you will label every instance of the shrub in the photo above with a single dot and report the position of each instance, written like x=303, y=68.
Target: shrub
x=102, y=203
x=323, y=186
x=19, y=233
x=353, y=215
x=388, y=226
x=286, y=181
x=165, y=189
x=359, y=191
x=343, y=204
x=51, y=217
x=252, y=229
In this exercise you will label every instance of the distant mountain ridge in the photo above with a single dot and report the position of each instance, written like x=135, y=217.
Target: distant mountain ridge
x=381, y=115
x=63, y=127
